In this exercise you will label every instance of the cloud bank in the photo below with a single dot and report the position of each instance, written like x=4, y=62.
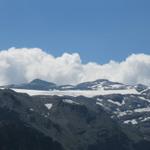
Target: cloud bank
x=23, y=65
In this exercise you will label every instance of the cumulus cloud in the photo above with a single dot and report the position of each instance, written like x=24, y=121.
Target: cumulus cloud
x=23, y=65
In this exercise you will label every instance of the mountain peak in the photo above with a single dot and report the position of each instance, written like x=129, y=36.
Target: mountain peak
x=39, y=81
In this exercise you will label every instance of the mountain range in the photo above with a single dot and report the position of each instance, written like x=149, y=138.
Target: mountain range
x=38, y=84
x=43, y=121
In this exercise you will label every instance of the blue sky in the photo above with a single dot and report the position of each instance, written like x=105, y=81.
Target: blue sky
x=99, y=30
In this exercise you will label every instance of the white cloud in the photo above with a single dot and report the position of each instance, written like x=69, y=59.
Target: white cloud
x=24, y=65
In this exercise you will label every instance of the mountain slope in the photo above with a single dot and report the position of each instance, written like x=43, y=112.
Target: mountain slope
x=16, y=135
x=36, y=84
x=69, y=123
x=101, y=83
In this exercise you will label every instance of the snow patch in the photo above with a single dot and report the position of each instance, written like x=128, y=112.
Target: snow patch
x=133, y=121
x=142, y=98
x=69, y=101
x=49, y=106
x=116, y=103
x=147, y=109
x=67, y=87
x=74, y=93
x=145, y=119
x=31, y=109
x=100, y=100
x=98, y=103
x=123, y=113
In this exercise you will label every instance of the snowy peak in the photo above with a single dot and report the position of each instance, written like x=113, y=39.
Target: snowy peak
x=102, y=84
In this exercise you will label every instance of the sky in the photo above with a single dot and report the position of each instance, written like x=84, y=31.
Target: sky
x=74, y=41
x=99, y=30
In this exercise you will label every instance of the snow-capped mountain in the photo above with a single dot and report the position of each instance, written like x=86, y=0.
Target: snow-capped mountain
x=97, y=86
x=127, y=105
x=101, y=84
x=66, y=123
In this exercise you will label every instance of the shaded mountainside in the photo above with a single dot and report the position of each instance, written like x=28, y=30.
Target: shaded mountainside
x=17, y=135
x=69, y=123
